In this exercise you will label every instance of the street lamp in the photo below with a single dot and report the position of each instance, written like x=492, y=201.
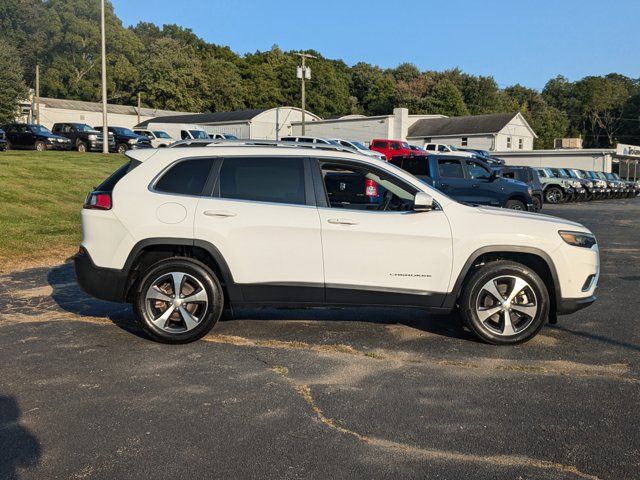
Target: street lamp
x=304, y=74
x=105, y=130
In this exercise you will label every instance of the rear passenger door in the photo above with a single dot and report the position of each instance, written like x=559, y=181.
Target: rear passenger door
x=262, y=218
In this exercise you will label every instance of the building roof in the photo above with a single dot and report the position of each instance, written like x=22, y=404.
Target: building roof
x=97, y=107
x=215, y=117
x=472, y=124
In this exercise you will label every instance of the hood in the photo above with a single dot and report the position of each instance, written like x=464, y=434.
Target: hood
x=515, y=214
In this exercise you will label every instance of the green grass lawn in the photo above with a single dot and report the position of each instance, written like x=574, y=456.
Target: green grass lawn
x=41, y=194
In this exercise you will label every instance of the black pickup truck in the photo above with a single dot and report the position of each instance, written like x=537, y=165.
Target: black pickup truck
x=84, y=138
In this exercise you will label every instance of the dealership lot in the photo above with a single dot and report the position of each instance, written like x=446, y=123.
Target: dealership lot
x=354, y=393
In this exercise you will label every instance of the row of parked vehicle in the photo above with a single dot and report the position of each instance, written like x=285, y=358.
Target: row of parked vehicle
x=571, y=184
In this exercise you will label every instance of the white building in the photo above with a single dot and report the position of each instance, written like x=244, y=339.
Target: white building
x=502, y=131
x=363, y=129
x=259, y=124
x=55, y=110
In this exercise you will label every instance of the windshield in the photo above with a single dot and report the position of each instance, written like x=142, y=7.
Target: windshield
x=199, y=134
x=601, y=175
x=83, y=127
x=548, y=172
x=122, y=131
x=161, y=134
x=579, y=174
x=359, y=146
x=562, y=173
x=610, y=176
x=40, y=129
x=616, y=176
x=405, y=145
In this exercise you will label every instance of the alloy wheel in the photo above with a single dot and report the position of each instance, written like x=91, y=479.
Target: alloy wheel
x=506, y=305
x=176, y=302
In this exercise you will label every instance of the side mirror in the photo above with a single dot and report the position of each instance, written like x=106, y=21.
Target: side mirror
x=494, y=174
x=423, y=202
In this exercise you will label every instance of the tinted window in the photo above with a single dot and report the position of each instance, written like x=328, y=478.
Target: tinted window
x=395, y=146
x=430, y=147
x=110, y=183
x=305, y=140
x=416, y=166
x=442, y=148
x=450, y=169
x=186, y=178
x=477, y=171
x=278, y=180
x=380, y=144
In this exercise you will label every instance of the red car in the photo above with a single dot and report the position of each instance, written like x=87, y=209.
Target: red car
x=391, y=148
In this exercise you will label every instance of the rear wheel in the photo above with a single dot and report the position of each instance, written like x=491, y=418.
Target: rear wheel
x=178, y=300
x=515, y=205
x=553, y=195
x=505, y=303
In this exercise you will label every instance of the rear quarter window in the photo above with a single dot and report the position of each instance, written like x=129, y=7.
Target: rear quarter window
x=109, y=184
x=187, y=177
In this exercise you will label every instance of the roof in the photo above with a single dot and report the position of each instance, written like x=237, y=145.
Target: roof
x=472, y=124
x=97, y=107
x=215, y=117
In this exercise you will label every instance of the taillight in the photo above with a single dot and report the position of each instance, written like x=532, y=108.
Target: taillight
x=98, y=201
x=370, y=188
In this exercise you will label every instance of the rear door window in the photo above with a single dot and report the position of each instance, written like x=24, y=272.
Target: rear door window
x=450, y=168
x=187, y=177
x=418, y=166
x=274, y=180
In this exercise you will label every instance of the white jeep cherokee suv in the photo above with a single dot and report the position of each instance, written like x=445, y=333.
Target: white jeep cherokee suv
x=182, y=232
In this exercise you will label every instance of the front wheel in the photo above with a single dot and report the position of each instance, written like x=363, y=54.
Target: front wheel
x=40, y=146
x=505, y=303
x=178, y=300
x=122, y=148
x=515, y=205
x=81, y=147
x=553, y=195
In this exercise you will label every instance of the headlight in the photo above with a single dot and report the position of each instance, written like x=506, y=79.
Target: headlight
x=132, y=141
x=93, y=137
x=578, y=239
x=590, y=184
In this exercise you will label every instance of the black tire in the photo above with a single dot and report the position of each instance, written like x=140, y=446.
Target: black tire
x=121, y=148
x=553, y=195
x=40, y=146
x=81, y=147
x=179, y=331
x=515, y=205
x=9, y=146
x=524, y=327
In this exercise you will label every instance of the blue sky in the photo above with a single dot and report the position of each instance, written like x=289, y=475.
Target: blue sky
x=518, y=41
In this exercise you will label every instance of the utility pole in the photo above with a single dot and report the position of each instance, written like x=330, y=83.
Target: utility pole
x=304, y=74
x=138, y=107
x=105, y=130
x=37, y=94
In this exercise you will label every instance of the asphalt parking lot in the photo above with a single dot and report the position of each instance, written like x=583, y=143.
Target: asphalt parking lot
x=355, y=393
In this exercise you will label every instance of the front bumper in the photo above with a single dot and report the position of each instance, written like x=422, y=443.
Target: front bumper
x=567, y=306
x=103, y=283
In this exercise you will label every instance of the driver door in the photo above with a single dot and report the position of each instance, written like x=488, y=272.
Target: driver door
x=376, y=249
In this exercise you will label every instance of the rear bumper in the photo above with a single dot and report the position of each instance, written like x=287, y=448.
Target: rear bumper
x=567, y=306
x=103, y=283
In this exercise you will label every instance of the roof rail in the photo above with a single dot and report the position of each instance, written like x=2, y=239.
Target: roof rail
x=199, y=142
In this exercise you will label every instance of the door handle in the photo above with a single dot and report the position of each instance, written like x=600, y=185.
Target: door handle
x=444, y=185
x=342, y=221
x=219, y=213
x=475, y=185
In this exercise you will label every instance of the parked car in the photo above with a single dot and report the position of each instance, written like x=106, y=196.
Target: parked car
x=529, y=176
x=222, y=136
x=183, y=252
x=438, y=148
x=158, y=138
x=633, y=187
x=556, y=190
x=33, y=137
x=126, y=139
x=182, y=131
x=618, y=189
x=391, y=148
x=305, y=139
x=580, y=186
x=84, y=138
x=3, y=141
x=469, y=180
x=603, y=185
x=482, y=155
x=360, y=148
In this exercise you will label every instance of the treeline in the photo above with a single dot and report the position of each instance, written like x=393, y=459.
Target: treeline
x=174, y=69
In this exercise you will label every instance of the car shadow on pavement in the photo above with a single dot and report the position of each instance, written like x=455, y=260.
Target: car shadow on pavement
x=19, y=447
x=68, y=295
x=597, y=338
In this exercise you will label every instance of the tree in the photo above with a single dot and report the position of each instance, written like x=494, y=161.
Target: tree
x=445, y=99
x=11, y=78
